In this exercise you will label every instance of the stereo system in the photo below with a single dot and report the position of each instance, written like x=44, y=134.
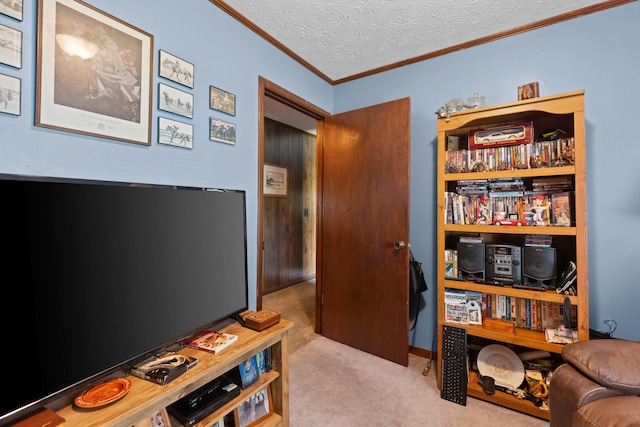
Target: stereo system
x=528, y=267
x=503, y=264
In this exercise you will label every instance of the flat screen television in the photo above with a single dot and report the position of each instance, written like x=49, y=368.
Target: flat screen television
x=99, y=275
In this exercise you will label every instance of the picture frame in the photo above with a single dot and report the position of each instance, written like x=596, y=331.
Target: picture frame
x=175, y=101
x=159, y=419
x=222, y=101
x=12, y=9
x=175, y=69
x=93, y=73
x=255, y=409
x=10, y=94
x=10, y=46
x=275, y=180
x=172, y=132
x=249, y=373
x=528, y=91
x=222, y=131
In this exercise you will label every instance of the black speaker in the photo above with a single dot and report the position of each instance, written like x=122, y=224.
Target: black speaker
x=471, y=261
x=539, y=269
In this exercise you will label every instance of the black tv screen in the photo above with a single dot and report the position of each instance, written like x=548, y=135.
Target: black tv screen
x=97, y=275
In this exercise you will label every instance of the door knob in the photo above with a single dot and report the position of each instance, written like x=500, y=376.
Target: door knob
x=399, y=245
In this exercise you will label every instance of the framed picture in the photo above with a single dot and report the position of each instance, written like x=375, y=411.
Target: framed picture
x=222, y=101
x=159, y=419
x=255, y=409
x=10, y=46
x=11, y=8
x=275, y=181
x=528, y=91
x=175, y=100
x=94, y=73
x=175, y=69
x=178, y=134
x=222, y=131
x=10, y=95
x=249, y=373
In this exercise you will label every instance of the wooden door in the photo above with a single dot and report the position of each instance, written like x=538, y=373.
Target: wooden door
x=365, y=213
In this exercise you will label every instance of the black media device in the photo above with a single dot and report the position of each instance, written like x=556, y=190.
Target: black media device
x=198, y=404
x=104, y=274
x=471, y=261
x=503, y=264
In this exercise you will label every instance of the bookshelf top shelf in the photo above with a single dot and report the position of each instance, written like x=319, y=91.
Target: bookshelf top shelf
x=565, y=103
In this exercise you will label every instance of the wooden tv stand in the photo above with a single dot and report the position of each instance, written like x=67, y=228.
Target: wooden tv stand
x=146, y=398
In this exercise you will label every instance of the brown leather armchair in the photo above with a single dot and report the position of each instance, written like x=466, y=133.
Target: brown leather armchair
x=598, y=386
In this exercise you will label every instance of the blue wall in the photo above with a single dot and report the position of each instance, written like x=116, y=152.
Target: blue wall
x=597, y=53
x=225, y=54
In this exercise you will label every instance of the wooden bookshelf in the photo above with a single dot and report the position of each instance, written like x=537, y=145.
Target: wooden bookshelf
x=564, y=111
x=146, y=398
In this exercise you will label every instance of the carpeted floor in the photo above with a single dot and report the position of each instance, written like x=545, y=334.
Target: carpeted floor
x=332, y=384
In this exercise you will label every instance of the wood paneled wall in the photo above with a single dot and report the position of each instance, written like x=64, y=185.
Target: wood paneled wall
x=289, y=223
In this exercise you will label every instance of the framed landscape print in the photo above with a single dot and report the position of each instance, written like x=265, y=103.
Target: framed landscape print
x=176, y=69
x=93, y=73
x=275, y=181
x=10, y=93
x=10, y=46
x=175, y=101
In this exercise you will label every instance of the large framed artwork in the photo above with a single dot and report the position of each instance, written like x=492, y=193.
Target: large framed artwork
x=94, y=73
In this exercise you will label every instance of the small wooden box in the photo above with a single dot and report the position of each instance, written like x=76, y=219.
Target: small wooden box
x=261, y=320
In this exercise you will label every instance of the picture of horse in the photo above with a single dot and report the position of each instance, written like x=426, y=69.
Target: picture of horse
x=222, y=131
x=176, y=69
x=9, y=95
x=178, y=134
x=175, y=101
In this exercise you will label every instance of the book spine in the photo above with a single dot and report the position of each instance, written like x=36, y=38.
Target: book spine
x=145, y=376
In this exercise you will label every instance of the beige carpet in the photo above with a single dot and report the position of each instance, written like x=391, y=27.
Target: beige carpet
x=332, y=384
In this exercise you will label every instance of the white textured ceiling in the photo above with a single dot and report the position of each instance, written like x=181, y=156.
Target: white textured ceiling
x=344, y=38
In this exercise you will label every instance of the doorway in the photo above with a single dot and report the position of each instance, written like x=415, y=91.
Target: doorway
x=362, y=259
x=285, y=116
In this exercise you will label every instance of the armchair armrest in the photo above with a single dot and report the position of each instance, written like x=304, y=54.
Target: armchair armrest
x=611, y=363
x=569, y=390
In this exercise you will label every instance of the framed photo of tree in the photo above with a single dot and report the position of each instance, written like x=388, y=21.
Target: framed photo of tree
x=93, y=73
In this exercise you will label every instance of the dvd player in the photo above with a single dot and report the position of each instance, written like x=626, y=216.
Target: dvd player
x=198, y=404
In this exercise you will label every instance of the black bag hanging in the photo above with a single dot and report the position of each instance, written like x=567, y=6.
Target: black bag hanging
x=417, y=285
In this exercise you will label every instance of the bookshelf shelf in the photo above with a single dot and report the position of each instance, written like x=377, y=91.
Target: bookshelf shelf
x=146, y=398
x=562, y=111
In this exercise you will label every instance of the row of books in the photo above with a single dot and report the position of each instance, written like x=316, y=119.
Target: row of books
x=525, y=313
x=559, y=152
x=555, y=208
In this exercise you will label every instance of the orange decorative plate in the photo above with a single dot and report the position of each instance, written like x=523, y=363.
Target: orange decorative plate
x=104, y=393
